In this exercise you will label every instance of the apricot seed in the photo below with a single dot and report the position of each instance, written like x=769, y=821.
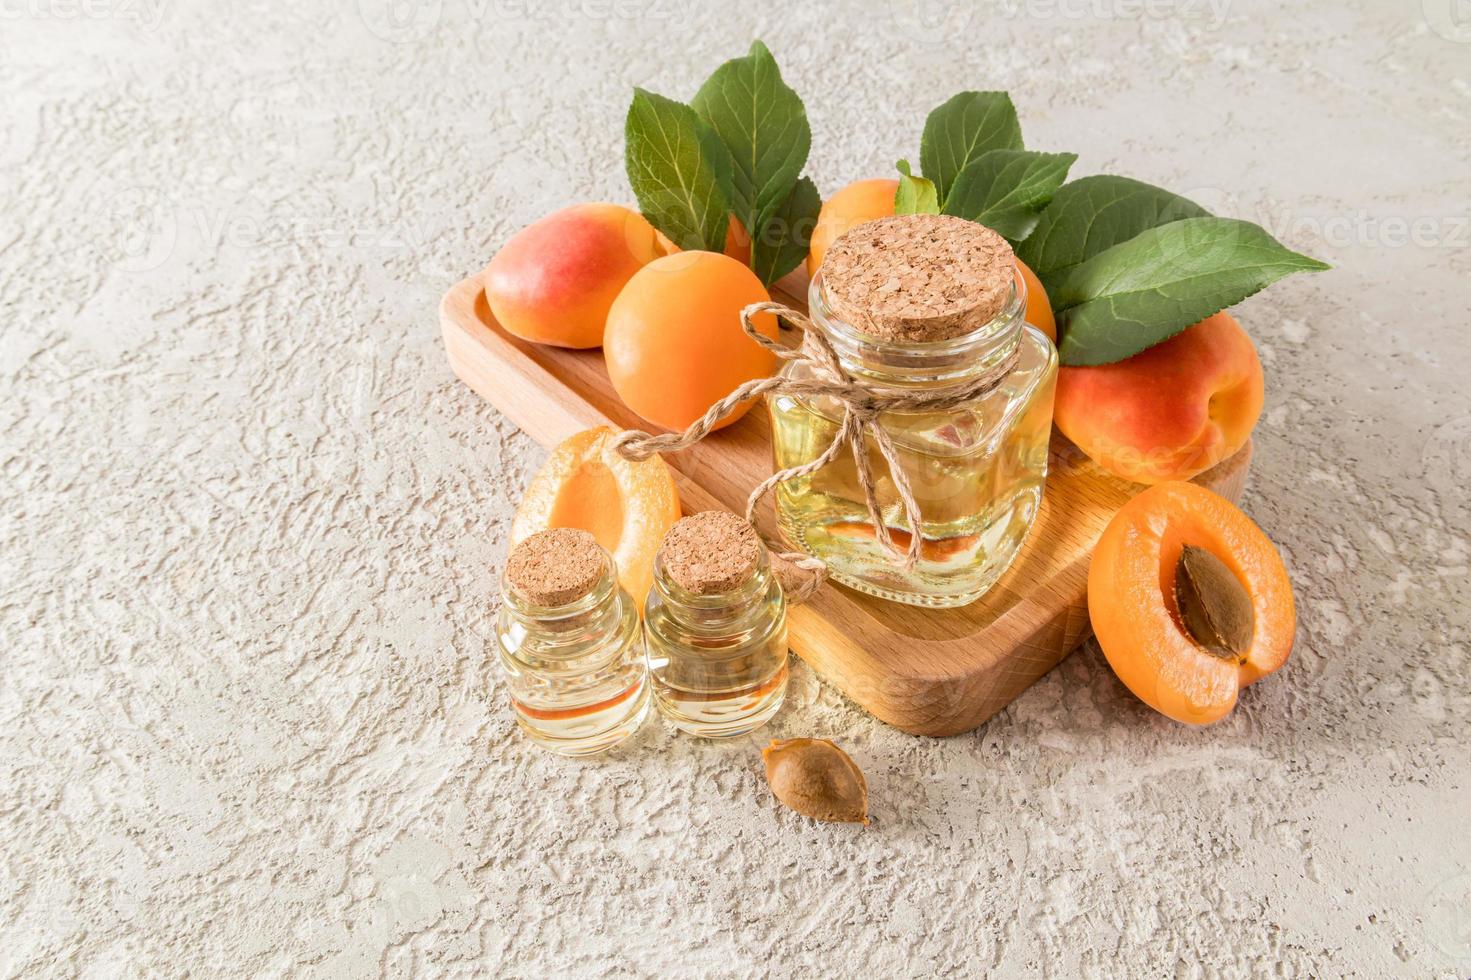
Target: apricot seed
x=817, y=779
x=1213, y=604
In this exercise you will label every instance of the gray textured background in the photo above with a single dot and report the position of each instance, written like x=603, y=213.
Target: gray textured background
x=250, y=523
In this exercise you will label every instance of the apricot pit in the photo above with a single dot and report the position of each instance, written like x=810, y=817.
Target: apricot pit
x=816, y=779
x=1214, y=606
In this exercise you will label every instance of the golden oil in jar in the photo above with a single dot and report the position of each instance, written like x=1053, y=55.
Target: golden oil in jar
x=716, y=627
x=949, y=309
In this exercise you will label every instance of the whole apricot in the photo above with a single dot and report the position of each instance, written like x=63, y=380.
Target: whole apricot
x=674, y=344
x=1169, y=412
x=866, y=200
x=1190, y=601
x=554, y=280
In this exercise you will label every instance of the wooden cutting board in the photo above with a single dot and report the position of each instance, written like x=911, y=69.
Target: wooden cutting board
x=926, y=671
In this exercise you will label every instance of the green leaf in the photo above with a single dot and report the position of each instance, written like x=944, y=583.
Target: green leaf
x=679, y=170
x=1149, y=288
x=784, y=239
x=1006, y=190
x=764, y=125
x=915, y=194
x=1093, y=214
x=963, y=128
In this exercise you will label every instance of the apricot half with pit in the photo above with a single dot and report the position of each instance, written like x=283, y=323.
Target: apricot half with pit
x=1190, y=601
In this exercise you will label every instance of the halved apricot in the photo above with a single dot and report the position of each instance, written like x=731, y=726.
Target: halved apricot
x=628, y=506
x=1131, y=601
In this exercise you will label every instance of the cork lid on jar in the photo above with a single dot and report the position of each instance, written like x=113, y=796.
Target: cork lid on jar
x=711, y=552
x=918, y=278
x=554, y=568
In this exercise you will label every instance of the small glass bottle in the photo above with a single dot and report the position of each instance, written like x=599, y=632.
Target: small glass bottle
x=716, y=621
x=571, y=644
x=922, y=302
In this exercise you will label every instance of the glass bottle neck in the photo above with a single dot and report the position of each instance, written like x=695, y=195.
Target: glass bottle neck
x=720, y=612
x=920, y=365
x=567, y=628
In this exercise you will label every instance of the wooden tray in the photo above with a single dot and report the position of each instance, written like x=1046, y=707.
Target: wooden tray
x=926, y=671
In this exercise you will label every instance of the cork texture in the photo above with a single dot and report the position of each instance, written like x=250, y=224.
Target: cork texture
x=711, y=552
x=554, y=567
x=919, y=278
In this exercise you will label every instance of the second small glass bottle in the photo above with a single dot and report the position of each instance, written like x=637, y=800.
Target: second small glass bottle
x=716, y=624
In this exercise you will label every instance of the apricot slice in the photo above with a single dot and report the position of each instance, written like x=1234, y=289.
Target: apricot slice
x=817, y=779
x=628, y=506
x=1239, y=618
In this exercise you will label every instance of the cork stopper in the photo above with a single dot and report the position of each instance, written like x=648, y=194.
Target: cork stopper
x=555, y=567
x=918, y=278
x=711, y=552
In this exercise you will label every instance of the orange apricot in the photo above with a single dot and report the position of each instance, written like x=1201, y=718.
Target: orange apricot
x=1132, y=590
x=737, y=242
x=628, y=506
x=554, y=280
x=866, y=200
x=674, y=344
x=1169, y=412
x=1039, y=307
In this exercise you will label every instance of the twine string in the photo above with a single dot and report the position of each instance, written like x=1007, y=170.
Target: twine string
x=862, y=401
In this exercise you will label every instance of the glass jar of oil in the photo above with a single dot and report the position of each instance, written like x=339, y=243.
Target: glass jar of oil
x=897, y=316
x=571, y=644
x=716, y=624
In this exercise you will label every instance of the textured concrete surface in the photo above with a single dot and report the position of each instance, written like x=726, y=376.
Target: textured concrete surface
x=249, y=522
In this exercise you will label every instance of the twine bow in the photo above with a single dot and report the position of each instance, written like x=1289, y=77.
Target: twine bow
x=863, y=403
